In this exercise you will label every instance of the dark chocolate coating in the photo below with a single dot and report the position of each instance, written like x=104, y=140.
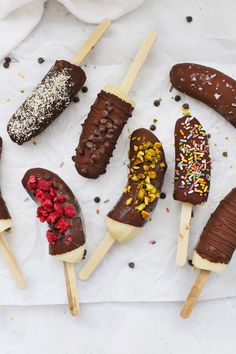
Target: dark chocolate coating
x=76, y=229
x=4, y=213
x=100, y=133
x=127, y=214
x=207, y=85
x=47, y=101
x=192, y=162
x=218, y=239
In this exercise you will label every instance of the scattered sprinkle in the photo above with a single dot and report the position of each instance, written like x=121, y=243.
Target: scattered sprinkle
x=185, y=106
x=152, y=242
x=157, y=102
x=61, y=164
x=177, y=98
x=106, y=201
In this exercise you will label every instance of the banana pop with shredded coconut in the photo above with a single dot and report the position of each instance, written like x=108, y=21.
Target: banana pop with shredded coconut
x=47, y=101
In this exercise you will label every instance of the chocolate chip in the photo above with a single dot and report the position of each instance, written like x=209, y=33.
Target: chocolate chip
x=109, y=136
x=97, y=200
x=109, y=108
x=79, y=149
x=102, y=129
x=89, y=144
x=177, y=98
x=100, y=139
x=185, y=106
x=7, y=59
x=109, y=125
x=103, y=120
x=6, y=65
x=105, y=114
x=190, y=262
x=162, y=195
x=84, y=89
x=153, y=127
x=157, y=103
x=131, y=265
x=76, y=99
x=41, y=60
x=189, y=18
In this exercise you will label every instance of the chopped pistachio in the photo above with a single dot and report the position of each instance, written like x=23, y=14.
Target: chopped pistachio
x=129, y=201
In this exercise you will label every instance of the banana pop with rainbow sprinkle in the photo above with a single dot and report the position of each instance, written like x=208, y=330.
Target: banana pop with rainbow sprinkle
x=192, y=175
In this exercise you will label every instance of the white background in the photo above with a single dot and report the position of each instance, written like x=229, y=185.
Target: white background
x=136, y=327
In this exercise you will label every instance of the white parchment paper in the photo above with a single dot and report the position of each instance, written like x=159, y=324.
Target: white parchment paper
x=155, y=276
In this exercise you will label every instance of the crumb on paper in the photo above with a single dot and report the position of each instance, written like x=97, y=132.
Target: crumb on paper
x=97, y=211
x=34, y=142
x=131, y=265
x=22, y=91
x=61, y=164
x=26, y=199
x=168, y=210
x=106, y=200
x=21, y=75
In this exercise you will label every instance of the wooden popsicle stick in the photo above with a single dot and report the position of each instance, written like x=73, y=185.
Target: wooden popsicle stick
x=72, y=292
x=138, y=61
x=182, y=246
x=11, y=262
x=97, y=256
x=91, y=41
x=194, y=293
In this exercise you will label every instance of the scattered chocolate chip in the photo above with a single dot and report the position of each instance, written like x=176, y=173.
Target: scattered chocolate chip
x=162, y=195
x=105, y=114
x=103, y=120
x=225, y=154
x=153, y=127
x=89, y=144
x=7, y=59
x=131, y=265
x=189, y=18
x=41, y=60
x=84, y=89
x=76, y=99
x=6, y=65
x=84, y=255
x=185, y=106
x=190, y=262
x=177, y=98
x=157, y=103
x=97, y=200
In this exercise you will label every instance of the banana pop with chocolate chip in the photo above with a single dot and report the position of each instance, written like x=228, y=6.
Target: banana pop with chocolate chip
x=146, y=175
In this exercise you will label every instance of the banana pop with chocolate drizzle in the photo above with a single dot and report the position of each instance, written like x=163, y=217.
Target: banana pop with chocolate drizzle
x=192, y=175
x=146, y=175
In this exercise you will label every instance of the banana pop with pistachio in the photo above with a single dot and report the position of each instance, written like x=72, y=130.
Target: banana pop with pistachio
x=146, y=175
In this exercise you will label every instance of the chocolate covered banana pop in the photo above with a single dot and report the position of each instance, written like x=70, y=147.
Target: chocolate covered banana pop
x=60, y=209
x=208, y=85
x=215, y=247
x=192, y=174
x=107, y=118
x=53, y=94
x=147, y=170
x=6, y=225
